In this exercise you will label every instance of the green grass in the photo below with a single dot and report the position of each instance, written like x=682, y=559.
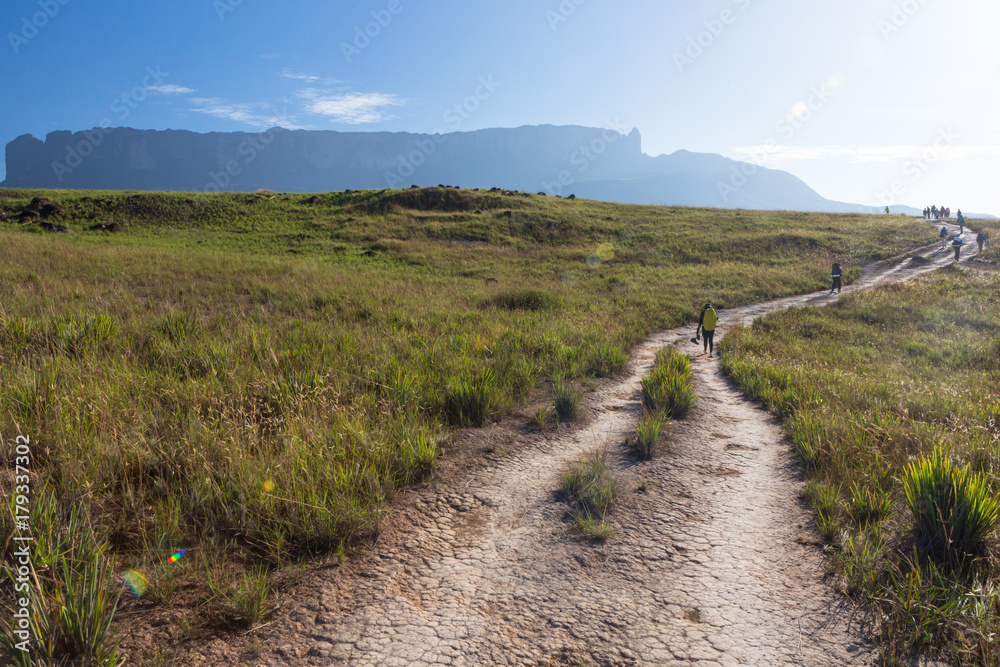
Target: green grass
x=258, y=377
x=645, y=442
x=568, y=398
x=953, y=509
x=890, y=399
x=591, y=490
x=667, y=389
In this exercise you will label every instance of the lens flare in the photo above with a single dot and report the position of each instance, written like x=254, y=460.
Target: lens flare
x=268, y=486
x=136, y=582
x=593, y=261
x=177, y=556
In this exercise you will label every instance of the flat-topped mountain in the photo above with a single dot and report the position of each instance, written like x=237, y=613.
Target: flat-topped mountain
x=589, y=162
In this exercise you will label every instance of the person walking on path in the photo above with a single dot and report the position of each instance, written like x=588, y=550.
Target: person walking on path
x=961, y=222
x=981, y=240
x=835, y=274
x=934, y=211
x=957, y=245
x=707, y=322
x=944, y=237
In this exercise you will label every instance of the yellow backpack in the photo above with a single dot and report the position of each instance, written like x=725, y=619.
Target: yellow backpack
x=710, y=319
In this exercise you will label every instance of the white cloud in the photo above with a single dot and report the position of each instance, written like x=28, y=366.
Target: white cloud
x=350, y=108
x=171, y=89
x=257, y=115
x=308, y=78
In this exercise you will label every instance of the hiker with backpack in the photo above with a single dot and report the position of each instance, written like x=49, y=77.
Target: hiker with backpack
x=707, y=322
x=981, y=240
x=957, y=245
x=836, y=274
x=944, y=237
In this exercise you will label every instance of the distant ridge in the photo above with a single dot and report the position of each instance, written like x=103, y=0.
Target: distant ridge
x=589, y=162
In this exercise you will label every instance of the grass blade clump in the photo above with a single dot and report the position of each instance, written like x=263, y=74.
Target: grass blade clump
x=567, y=398
x=72, y=606
x=471, y=401
x=869, y=504
x=953, y=510
x=646, y=440
x=591, y=490
x=668, y=388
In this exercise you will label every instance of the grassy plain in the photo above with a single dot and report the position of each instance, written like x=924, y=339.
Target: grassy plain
x=872, y=389
x=249, y=378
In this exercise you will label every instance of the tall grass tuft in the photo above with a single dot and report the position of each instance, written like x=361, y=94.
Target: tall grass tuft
x=72, y=606
x=471, y=401
x=240, y=600
x=648, y=434
x=567, y=398
x=953, y=510
x=668, y=388
x=591, y=490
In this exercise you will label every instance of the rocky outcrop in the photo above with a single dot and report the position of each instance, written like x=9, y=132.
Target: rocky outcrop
x=558, y=160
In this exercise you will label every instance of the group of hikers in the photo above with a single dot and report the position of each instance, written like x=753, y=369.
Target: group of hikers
x=956, y=241
x=709, y=318
x=935, y=213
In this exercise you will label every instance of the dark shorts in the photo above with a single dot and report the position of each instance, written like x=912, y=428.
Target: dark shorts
x=709, y=337
x=836, y=284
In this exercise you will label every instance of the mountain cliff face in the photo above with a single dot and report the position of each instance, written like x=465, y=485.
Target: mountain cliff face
x=589, y=162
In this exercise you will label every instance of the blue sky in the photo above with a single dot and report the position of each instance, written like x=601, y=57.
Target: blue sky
x=868, y=101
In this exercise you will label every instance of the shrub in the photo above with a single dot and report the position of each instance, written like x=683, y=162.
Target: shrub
x=953, y=510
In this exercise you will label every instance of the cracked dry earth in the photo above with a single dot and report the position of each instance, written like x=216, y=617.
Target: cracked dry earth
x=715, y=564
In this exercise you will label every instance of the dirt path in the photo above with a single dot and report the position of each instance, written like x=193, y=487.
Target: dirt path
x=715, y=564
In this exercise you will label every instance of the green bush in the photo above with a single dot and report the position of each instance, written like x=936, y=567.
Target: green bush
x=953, y=510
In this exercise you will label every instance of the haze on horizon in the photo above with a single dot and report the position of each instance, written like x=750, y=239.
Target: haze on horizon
x=868, y=102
